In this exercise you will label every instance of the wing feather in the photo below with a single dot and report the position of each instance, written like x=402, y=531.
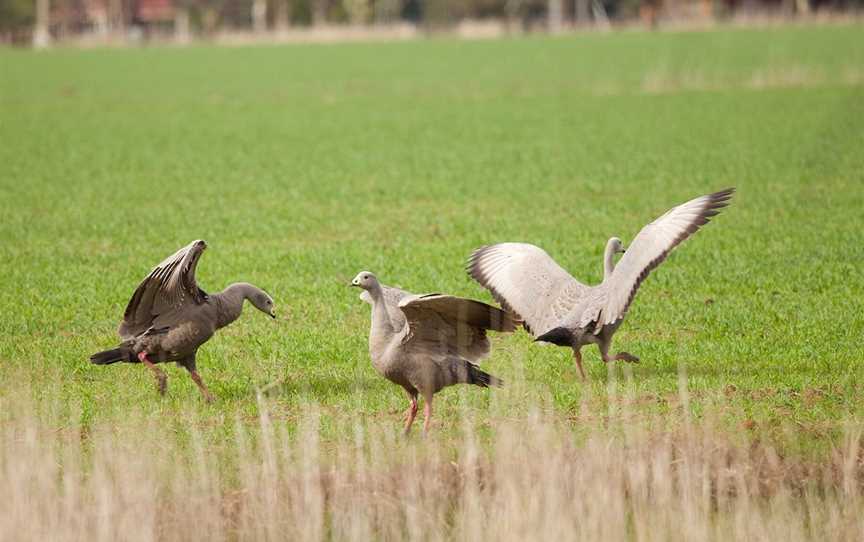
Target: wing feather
x=651, y=246
x=168, y=288
x=527, y=282
x=453, y=325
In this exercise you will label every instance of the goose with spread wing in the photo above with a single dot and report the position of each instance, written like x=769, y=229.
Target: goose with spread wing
x=425, y=343
x=169, y=317
x=558, y=309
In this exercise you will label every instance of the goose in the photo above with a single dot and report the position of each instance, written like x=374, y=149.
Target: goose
x=556, y=308
x=425, y=343
x=169, y=317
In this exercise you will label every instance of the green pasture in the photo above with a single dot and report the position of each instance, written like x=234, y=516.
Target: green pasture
x=302, y=165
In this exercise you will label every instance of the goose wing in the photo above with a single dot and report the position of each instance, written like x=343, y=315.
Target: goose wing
x=452, y=325
x=527, y=282
x=651, y=246
x=168, y=288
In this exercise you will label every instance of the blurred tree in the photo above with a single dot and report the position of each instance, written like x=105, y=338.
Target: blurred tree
x=115, y=17
x=41, y=34
x=554, y=15
x=281, y=10
x=437, y=12
x=208, y=12
x=182, y=31
x=358, y=11
x=513, y=13
x=27, y=21
x=386, y=11
x=300, y=12
x=581, y=11
x=412, y=10
x=319, y=12
x=648, y=12
x=16, y=15
x=259, y=16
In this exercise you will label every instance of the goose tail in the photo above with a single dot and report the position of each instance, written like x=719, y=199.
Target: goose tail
x=107, y=357
x=481, y=378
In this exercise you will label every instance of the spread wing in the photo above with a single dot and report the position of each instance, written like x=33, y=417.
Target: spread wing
x=528, y=282
x=167, y=289
x=453, y=325
x=651, y=246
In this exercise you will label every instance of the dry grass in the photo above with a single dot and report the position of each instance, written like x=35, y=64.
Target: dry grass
x=535, y=478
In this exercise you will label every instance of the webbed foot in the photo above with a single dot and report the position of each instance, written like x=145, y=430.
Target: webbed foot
x=626, y=356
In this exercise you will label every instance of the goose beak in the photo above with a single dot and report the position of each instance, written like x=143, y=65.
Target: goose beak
x=272, y=314
x=354, y=283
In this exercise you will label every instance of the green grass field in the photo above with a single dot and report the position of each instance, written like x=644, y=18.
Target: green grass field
x=303, y=165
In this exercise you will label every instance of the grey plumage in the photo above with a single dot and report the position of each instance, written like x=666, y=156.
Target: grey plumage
x=169, y=317
x=557, y=308
x=427, y=342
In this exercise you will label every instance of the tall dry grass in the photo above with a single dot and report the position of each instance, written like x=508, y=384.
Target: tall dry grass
x=533, y=478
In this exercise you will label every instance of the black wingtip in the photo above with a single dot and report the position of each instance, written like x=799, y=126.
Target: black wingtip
x=471, y=263
x=721, y=198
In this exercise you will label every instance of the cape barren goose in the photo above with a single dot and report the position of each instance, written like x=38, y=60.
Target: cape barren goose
x=427, y=342
x=558, y=309
x=169, y=317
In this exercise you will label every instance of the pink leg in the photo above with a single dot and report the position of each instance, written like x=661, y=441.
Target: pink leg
x=427, y=415
x=200, y=383
x=577, y=355
x=410, y=414
x=161, y=378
